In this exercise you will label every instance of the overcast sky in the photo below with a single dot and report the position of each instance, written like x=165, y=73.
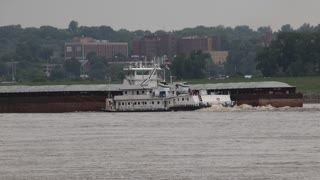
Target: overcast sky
x=159, y=14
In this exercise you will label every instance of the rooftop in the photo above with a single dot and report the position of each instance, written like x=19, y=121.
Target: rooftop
x=66, y=88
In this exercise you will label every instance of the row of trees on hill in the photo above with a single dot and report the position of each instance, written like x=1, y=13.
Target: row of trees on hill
x=294, y=52
x=26, y=50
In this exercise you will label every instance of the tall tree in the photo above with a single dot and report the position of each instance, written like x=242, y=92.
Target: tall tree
x=72, y=68
x=286, y=28
x=73, y=27
x=98, y=67
x=192, y=66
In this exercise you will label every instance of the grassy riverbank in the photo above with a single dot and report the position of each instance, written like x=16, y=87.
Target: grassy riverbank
x=303, y=84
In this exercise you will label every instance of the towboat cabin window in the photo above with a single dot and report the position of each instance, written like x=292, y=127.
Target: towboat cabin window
x=182, y=99
x=122, y=104
x=158, y=102
x=187, y=99
x=138, y=103
x=135, y=103
x=137, y=92
x=128, y=103
x=142, y=92
x=150, y=91
x=119, y=104
x=125, y=92
x=152, y=102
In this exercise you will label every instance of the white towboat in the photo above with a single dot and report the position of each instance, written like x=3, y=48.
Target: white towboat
x=143, y=91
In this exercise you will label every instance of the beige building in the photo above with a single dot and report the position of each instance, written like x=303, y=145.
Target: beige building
x=219, y=57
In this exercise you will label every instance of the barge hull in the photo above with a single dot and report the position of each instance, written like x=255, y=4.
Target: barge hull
x=275, y=100
x=52, y=103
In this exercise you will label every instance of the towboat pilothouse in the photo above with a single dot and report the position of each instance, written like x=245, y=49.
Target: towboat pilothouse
x=143, y=90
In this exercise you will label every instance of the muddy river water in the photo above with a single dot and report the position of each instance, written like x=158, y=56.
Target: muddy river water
x=215, y=143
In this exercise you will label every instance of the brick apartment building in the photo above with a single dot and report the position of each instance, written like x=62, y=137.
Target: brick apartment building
x=145, y=48
x=167, y=44
x=158, y=44
x=217, y=43
x=81, y=47
x=189, y=44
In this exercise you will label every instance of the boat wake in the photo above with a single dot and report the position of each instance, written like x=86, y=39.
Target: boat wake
x=245, y=107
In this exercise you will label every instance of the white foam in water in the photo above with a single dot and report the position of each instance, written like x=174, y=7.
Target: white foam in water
x=246, y=107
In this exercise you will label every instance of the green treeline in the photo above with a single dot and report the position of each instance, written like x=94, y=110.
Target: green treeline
x=24, y=51
x=291, y=54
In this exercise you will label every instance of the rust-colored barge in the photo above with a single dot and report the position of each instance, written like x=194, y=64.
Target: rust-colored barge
x=72, y=98
x=58, y=98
